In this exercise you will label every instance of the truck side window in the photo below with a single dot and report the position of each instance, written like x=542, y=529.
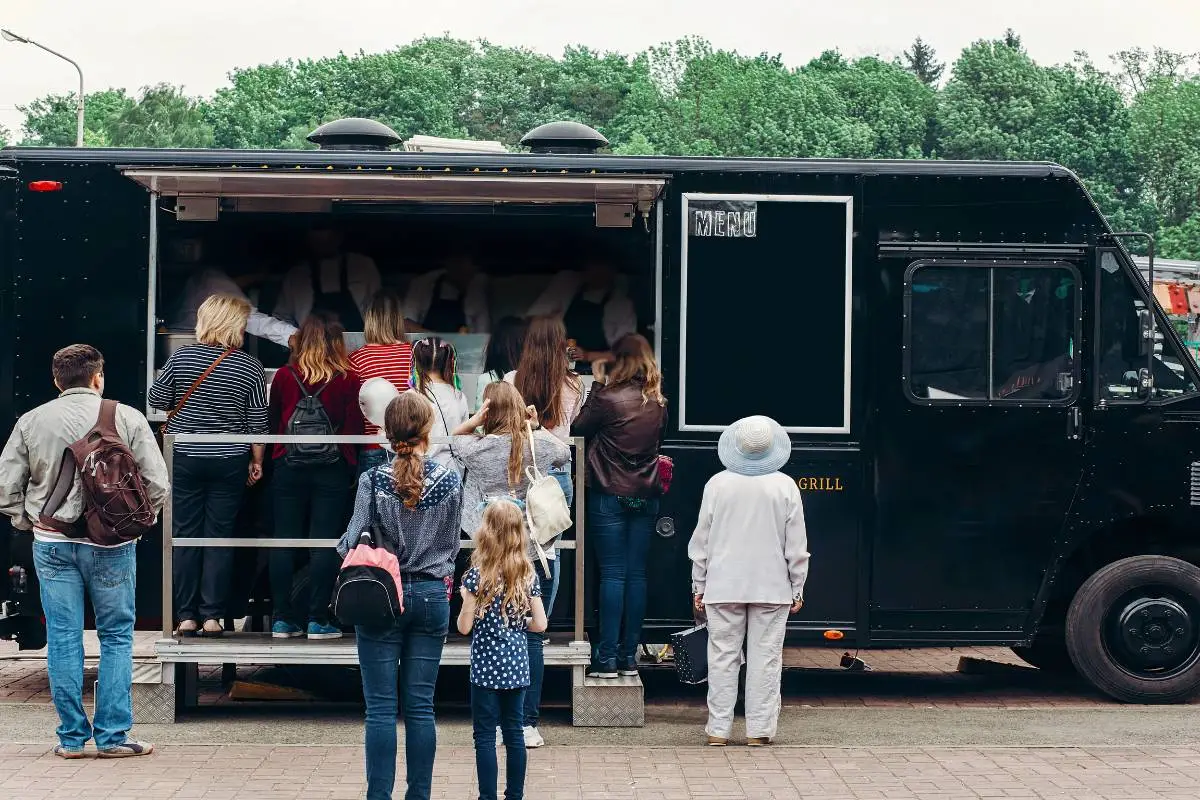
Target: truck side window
x=1120, y=337
x=992, y=333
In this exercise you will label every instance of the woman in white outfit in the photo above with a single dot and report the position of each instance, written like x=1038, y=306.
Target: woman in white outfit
x=749, y=557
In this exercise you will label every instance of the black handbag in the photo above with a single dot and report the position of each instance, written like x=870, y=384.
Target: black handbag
x=691, y=654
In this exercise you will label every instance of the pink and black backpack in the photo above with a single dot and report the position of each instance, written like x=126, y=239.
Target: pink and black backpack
x=368, y=591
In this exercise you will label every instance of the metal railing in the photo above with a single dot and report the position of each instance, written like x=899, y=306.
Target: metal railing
x=170, y=542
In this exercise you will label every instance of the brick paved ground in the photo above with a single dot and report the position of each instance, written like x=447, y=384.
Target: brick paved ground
x=926, y=678
x=335, y=773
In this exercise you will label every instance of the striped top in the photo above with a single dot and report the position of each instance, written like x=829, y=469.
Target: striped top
x=233, y=399
x=392, y=362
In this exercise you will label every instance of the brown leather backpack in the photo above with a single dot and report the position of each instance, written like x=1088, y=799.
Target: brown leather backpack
x=116, y=508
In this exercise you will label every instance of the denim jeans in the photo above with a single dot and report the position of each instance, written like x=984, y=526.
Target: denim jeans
x=369, y=459
x=310, y=503
x=563, y=476
x=503, y=707
x=67, y=571
x=405, y=655
x=537, y=658
x=620, y=538
x=206, y=495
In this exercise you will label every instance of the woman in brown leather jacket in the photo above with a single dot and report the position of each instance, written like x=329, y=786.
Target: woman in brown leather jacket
x=622, y=420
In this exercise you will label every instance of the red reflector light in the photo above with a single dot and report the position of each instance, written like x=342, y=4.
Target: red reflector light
x=45, y=186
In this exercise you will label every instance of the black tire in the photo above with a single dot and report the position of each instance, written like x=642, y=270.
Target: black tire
x=1133, y=630
x=1048, y=653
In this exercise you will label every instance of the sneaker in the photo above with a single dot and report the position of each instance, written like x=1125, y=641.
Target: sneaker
x=131, y=748
x=68, y=753
x=323, y=630
x=628, y=669
x=603, y=669
x=533, y=738
x=285, y=630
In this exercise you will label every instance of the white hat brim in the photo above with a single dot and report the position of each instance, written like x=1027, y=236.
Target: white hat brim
x=771, y=461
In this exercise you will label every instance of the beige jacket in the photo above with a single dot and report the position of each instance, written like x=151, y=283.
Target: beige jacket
x=31, y=458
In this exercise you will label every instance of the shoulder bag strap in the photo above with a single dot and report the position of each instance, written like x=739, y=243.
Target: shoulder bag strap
x=449, y=433
x=300, y=383
x=532, y=471
x=196, y=385
x=106, y=423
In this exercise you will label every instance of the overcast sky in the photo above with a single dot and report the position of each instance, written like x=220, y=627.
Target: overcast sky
x=133, y=43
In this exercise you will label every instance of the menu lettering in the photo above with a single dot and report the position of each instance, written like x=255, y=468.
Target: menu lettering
x=723, y=219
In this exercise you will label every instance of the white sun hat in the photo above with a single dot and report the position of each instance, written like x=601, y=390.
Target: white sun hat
x=373, y=399
x=754, y=446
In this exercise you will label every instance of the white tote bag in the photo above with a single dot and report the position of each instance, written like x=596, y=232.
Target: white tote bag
x=546, y=511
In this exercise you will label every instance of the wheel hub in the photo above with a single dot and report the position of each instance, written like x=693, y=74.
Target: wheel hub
x=1155, y=633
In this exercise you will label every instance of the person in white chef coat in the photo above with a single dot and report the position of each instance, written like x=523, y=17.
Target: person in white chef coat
x=449, y=299
x=205, y=281
x=331, y=280
x=595, y=309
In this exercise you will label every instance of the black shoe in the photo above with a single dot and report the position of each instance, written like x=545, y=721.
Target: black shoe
x=627, y=668
x=603, y=669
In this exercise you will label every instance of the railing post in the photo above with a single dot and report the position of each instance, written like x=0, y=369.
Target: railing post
x=168, y=557
x=580, y=535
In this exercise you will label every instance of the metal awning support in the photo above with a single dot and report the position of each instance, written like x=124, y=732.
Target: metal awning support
x=410, y=186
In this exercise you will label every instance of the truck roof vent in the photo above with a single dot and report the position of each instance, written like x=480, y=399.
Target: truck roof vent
x=354, y=133
x=564, y=137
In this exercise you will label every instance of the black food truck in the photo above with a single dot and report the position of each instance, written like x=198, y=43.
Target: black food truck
x=995, y=429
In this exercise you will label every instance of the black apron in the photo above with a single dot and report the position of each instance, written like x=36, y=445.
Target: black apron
x=584, y=321
x=340, y=303
x=444, y=316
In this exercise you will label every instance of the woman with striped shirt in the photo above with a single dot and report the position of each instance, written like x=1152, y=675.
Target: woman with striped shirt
x=388, y=355
x=211, y=387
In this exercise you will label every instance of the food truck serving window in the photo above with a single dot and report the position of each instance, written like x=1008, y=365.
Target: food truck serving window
x=991, y=333
x=765, y=311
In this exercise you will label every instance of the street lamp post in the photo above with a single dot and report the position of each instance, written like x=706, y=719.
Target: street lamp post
x=9, y=36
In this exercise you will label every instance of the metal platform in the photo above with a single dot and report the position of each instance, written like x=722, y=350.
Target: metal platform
x=262, y=649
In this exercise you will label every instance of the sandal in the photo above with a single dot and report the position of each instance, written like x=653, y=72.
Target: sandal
x=212, y=628
x=187, y=627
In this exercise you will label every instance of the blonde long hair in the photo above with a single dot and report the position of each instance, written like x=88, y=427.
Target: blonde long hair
x=506, y=415
x=505, y=570
x=383, y=322
x=318, y=349
x=634, y=362
x=407, y=423
x=221, y=321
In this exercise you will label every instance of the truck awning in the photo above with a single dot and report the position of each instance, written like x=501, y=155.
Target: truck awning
x=409, y=186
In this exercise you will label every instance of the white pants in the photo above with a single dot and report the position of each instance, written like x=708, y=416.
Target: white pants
x=762, y=628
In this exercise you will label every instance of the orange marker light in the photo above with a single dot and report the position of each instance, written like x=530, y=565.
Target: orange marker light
x=45, y=186
x=833, y=636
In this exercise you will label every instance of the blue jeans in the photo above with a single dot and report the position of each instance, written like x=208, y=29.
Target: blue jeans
x=369, y=459
x=537, y=658
x=620, y=538
x=67, y=571
x=503, y=707
x=563, y=476
x=409, y=651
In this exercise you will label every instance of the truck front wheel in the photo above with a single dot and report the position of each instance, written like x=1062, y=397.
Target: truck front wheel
x=1133, y=630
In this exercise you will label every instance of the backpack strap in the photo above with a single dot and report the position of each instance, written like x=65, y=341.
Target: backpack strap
x=536, y=473
x=106, y=423
x=186, y=395
x=63, y=484
x=300, y=383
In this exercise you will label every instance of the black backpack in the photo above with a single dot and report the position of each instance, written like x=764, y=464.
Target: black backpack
x=310, y=419
x=369, y=589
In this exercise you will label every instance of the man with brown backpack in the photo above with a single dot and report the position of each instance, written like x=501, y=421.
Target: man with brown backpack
x=85, y=475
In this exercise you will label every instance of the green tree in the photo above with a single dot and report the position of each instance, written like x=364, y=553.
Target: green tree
x=1181, y=241
x=50, y=121
x=4, y=136
x=163, y=116
x=1165, y=140
x=921, y=61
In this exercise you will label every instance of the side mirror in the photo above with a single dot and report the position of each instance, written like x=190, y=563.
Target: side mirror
x=1145, y=384
x=1146, y=325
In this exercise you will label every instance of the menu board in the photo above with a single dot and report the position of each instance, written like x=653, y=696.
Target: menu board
x=765, y=310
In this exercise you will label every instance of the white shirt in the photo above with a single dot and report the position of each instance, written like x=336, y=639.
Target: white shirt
x=449, y=411
x=296, y=298
x=475, y=303
x=210, y=281
x=750, y=544
x=619, y=315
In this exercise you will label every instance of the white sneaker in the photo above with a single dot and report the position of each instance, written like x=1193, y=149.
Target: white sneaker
x=533, y=738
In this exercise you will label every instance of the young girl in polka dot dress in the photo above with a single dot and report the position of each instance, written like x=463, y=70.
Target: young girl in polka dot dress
x=501, y=601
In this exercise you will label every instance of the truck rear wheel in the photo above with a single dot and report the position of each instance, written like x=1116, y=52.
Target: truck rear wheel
x=1133, y=630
